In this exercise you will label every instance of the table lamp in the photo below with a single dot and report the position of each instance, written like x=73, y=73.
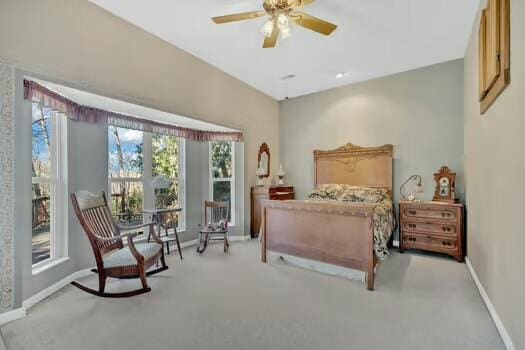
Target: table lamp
x=260, y=174
x=411, y=196
x=280, y=174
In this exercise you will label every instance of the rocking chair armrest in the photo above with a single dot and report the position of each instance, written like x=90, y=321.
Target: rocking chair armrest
x=121, y=237
x=154, y=235
x=134, y=251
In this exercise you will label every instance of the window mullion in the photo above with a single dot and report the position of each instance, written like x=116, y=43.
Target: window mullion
x=147, y=171
x=181, y=148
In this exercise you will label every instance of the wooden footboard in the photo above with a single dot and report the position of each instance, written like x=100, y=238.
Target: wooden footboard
x=333, y=233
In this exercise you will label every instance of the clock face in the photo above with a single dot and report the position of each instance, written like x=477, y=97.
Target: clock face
x=444, y=189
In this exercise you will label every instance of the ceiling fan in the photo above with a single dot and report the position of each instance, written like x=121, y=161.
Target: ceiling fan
x=281, y=12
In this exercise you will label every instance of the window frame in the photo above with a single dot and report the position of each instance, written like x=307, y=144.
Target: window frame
x=212, y=180
x=148, y=199
x=58, y=223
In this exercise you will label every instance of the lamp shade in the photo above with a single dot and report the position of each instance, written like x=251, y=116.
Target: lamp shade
x=280, y=172
x=260, y=172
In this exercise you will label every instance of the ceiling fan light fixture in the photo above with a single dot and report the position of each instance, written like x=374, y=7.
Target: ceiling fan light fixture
x=282, y=21
x=286, y=33
x=267, y=28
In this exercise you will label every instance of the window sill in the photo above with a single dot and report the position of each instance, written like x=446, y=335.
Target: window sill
x=47, y=265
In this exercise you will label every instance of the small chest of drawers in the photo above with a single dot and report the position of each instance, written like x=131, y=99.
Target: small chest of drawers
x=260, y=193
x=432, y=226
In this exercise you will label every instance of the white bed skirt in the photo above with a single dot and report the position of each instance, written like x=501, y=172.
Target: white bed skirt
x=322, y=267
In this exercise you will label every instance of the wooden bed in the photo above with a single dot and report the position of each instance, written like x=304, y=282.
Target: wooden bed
x=334, y=233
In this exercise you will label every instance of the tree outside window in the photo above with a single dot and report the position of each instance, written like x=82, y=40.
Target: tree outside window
x=222, y=174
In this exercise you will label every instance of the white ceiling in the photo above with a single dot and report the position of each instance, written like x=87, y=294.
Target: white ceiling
x=374, y=38
x=110, y=104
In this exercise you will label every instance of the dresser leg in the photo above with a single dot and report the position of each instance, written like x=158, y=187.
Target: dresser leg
x=459, y=258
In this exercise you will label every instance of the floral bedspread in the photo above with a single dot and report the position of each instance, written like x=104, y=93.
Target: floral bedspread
x=383, y=215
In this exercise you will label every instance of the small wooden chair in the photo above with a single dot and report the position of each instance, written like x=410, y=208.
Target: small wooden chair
x=215, y=213
x=113, y=259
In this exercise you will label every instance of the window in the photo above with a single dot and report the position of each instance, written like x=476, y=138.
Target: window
x=135, y=158
x=49, y=185
x=126, y=165
x=222, y=177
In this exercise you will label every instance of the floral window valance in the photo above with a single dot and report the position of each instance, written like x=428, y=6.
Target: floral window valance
x=35, y=92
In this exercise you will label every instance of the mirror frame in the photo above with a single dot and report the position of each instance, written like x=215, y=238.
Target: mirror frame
x=264, y=149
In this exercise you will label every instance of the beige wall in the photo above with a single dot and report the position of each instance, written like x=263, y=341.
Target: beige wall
x=420, y=112
x=494, y=169
x=81, y=45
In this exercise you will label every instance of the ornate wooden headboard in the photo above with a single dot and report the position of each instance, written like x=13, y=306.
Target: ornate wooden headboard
x=355, y=165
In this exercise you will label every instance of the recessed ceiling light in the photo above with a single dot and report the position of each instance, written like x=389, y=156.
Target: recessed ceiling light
x=340, y=75
x=291, y=76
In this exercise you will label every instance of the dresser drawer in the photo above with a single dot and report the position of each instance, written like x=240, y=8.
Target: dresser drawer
x=282, y=196
x=416, y=240
x=431, y=227
x=430, y=213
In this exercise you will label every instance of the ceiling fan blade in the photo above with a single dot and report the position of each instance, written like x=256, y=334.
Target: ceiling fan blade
x=271, y=41
x=312, y=23
x=302, y=3
x=238, y=17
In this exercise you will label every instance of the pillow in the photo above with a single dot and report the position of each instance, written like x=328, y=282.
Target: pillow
x=364, y=194
x=328, y=191
x=348, y=193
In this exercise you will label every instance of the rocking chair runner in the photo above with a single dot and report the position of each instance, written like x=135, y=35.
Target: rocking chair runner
x=113, y=259
x=214, y=214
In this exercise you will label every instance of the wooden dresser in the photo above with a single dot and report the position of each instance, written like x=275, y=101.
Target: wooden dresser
x=257, y=195
x=432, y=226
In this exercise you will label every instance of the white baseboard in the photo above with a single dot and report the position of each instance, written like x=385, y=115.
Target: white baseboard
x=30, y=302
x=187, y=244
x=21, y=312
x=239, y=238
x=492, y=310
x=395, y=244
x=12, y=315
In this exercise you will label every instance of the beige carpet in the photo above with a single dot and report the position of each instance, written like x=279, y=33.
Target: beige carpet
x=218, y=301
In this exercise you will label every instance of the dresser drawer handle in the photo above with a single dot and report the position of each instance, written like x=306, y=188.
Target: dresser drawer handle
x=412, y=226
x=444, y=228
x=412, y=212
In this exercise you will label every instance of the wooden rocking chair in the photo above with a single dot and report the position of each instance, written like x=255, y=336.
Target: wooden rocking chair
x=216, y=225
x=113, y=259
